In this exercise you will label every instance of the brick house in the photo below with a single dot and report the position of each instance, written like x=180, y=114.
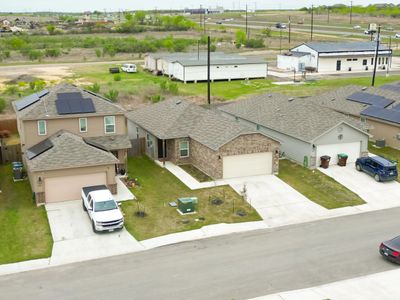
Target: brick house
x=184, y=133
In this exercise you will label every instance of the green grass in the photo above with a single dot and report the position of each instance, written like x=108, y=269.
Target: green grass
x=387, y=152
x=24, y=231
x=196, y=173
x=158, y=187
x=317, y=186
x=145, y=84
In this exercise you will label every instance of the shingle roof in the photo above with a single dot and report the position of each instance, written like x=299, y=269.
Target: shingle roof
x=293, y=117
x=176, y=118
x=45, y=108
x=110, y=143
x=337, y=99
x=69, y=151
x=329, y=47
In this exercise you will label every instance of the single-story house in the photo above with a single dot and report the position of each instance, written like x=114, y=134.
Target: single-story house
x=184, y=133
x=335, y=56
x=306, y=131
x=376, y=108
x=192, y=67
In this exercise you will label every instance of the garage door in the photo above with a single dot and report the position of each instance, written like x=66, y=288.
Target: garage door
x=353, y=150
x=247, y=165
x=69, y=187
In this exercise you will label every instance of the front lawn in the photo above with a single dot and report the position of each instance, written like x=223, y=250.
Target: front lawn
x=157, y=187
x=196, y=173
x=24, y=230
x=317, y=186
x=387, y=152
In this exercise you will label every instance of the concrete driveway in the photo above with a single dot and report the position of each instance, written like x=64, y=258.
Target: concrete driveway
x=74, y=239
x=378, y=195
x=277, y=202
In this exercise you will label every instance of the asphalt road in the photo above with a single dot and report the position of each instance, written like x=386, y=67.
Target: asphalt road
x=237, y=266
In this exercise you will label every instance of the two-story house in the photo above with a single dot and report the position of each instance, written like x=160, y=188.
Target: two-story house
x=70, y=138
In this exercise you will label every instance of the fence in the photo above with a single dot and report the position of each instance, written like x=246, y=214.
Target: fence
x=9, y=124
x=10, y=153
x=138, y=147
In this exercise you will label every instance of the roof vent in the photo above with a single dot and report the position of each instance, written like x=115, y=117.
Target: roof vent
x=364, y=88
x=333, y=99
x=178, y=102
x=290, y=99
x=269, y=96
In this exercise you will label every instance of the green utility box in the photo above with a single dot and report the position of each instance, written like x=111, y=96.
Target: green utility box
x=187, y=205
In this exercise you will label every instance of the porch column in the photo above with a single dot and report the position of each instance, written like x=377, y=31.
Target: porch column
x=163, y=152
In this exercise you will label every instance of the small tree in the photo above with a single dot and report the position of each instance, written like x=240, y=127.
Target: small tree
x=51, y=29
x=95, y=88
x=117, y=77
x=98, y=52
x=112, y=95
x=240, y=37
x=173, y=88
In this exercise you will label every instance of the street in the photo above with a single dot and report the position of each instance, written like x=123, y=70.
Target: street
x=238, y=266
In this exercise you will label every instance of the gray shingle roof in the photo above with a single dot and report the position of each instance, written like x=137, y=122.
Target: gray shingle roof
x=69, y=151
x=45, y=108
x=329, y=47
x=175, y=118
x=297, y=118
x=110, y=143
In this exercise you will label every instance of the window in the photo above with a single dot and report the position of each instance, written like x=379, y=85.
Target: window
x=349, y=59
x=82, y=124
x=372, y=61
x=387, y=60
x=364, y=62
x=258, y=127
x=149, y=141
x=355, y=59
x=137, y=132
x=184, y=149
x=379, y=61
x=109, y=124
x=42, y=130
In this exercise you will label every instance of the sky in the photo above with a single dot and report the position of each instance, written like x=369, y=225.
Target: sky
x=115, y=5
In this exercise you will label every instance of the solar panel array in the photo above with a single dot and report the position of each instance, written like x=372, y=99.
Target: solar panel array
x=73, y=103
x=365, y=98
x=29, y=100
x=391, y=87
x=390, y=115
x=39, y=149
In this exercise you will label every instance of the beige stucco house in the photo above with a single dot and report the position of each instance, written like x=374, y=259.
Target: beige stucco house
x=70, y=138
x=184, y=133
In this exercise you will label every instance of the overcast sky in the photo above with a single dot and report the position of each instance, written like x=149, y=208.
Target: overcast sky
x=77, y=6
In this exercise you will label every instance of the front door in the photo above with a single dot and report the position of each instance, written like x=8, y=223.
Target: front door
x=162, y=151
x=338, y=65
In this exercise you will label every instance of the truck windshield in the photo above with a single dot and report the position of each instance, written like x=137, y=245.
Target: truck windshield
x=105, y=205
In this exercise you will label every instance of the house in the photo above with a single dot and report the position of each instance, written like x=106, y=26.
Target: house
x=184, y=133
x=377, y=108
x=335, y=56
x=70, y=138
x=192, y=67
x=306, y=131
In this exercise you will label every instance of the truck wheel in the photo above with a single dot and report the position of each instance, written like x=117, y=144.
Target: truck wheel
x=377, y=178
x=83, y=206
x=94, y=227
x=358, y=167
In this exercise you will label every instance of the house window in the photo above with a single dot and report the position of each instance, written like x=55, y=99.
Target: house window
x=355, y=59
x=364, y=62
x=149, y=141
x=137, y=132
x=349, y=59
x=372, y=61
x=184, y=149
x=379, y=61
x=82, y=124
x=42, y=128
x=258, y=127
x=387, y=60
x=109, y=124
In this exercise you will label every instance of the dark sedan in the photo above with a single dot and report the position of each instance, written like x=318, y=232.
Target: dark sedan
x=391, y=249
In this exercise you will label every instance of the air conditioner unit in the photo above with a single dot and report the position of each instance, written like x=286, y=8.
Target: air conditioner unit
x=380, y=143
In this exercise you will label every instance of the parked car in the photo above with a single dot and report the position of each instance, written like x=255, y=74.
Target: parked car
x=378, y=167
x=391, y=249
x=369, y=31
x=129, y=68
x=218, y=22
x=113, y=70
x=356, y=27
x=397, y=35
x=280, y=25
x=103, y=210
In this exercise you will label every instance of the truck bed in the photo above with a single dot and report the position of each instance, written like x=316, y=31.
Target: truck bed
x=87, y=189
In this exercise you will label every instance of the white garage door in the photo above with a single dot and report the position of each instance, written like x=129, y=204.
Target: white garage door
x=69, y=187
x=247, y=165
x=353, y=150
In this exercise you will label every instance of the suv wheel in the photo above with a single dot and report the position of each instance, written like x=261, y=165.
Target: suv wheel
x=94, y=227
x=358, y=167
x=377, y=178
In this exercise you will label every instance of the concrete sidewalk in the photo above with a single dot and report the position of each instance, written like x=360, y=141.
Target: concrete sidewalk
x=382, y=286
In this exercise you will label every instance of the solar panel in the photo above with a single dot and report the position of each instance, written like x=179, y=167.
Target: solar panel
x=73, y=103
x=39, y=149
x=390, y=115
x=27, y=101
x=42, y=93
x=390, y=87
x=370, y=99
x=396, y=107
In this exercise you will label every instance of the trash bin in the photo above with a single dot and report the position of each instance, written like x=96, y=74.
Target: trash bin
x=325, y=159
x=17, y=170
x=342, y=159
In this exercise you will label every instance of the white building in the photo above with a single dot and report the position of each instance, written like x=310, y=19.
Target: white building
x=335, y=57
x=192, y=67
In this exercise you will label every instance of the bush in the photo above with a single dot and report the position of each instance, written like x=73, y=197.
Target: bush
x=213, y=48
x=254, y=43
x=51, y=29
x=98, y=52
x=156, y=98
x=52, y=52
x=173, y=88
x=112, y=95
x=2, y=105
x=35, y=54
x=32, y=85
x=117, y=77
x=39, y=85
x=240, y=37
x=95, y=88
x=163, y=86
x=11, y=90
x=266, y=32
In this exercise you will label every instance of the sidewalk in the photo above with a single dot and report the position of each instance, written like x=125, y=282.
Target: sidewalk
x=382, y=286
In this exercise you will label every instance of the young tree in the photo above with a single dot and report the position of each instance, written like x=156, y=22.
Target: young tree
x=240, y=37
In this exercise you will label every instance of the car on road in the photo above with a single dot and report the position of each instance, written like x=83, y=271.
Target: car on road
x=378, y=167
x=391, y=249
x=397, y=35
x=280, y=25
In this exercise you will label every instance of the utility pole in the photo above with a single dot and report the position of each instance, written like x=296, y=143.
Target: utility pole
x=247, y=31
x=289, y=23
x=351, y=12
x=312, y=20
x=376, y=55
x=198, y=49
x=208, y=70
x=280, y=40
x=200, y=16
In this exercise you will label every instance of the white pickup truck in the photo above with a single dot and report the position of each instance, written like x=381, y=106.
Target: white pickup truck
x=102, y=209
